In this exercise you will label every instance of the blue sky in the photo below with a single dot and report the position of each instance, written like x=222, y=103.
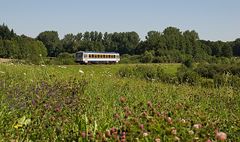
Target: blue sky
x=212, y=19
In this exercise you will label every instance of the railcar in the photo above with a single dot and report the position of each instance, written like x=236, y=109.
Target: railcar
x=85, y=57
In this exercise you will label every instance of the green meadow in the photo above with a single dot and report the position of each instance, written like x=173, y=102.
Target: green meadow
x=98, y=103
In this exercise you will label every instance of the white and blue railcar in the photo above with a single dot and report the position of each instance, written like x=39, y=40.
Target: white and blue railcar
x=97, y=57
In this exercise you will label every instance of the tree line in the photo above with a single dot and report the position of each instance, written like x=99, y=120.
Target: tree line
x=171, y=45
x=124, y=43
x=20, y=47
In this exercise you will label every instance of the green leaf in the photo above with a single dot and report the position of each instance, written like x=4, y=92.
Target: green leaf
x=22, y=120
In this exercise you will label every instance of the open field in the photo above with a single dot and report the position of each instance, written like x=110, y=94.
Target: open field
x=93, y=103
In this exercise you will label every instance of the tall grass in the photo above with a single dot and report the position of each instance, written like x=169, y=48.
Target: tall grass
x=90, y=103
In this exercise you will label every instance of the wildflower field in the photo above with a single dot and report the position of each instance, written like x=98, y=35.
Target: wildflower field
x=104, y=103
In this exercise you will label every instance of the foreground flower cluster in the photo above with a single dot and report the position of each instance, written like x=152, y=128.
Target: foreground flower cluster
x=153, y=124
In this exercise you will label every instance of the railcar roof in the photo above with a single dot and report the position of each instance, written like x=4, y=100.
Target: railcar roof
x=98, y=52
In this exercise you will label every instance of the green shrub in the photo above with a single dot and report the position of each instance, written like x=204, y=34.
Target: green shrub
x=235, y=82
x=62, y=59
x=235, y=70
x=205, y=70
x=126, y=71
x=128, y=59
x=188, y=63
x=209, y=70
x=147, y=57
x=188, y=76
x=146, y=72
x=158, y=60
x=220, y=80
x=207, y=83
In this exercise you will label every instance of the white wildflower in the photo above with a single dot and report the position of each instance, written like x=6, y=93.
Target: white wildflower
x=2, y=72
x=174, y=131
x=80, y=71
x=145, y=134
x=183, y=121
x=196, y=138
x=63, y=67
x=191, y=132
x=197, y=126
x=157, y=140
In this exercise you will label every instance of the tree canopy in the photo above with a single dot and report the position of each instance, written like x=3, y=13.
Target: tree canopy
x=171, y=45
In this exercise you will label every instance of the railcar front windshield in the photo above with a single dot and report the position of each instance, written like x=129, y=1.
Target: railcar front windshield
x=79, y=55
